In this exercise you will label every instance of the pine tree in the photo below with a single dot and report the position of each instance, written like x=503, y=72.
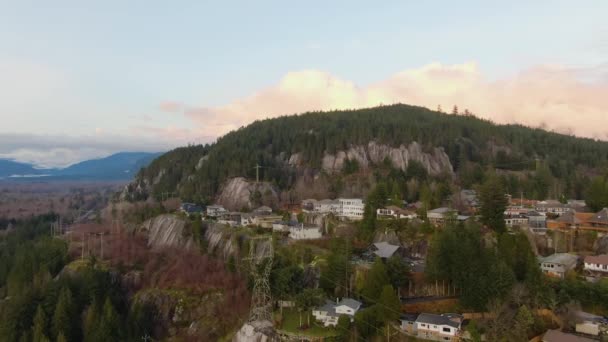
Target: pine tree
x=64, y=315
x=375, y=281
x=389, y=305
x=493, y=204
x=40, y=326
x=109, y=325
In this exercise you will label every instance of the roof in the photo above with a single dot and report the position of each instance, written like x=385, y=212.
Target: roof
x=437, y=320
x=408, y=317
x=558, y=336
x=385, y=249
x=570, y=217
x=597, y=259
x=264, y=208
x=351, y=303
x=327, y=201
x=560, y=258
x=442, y=210
x=600, y=217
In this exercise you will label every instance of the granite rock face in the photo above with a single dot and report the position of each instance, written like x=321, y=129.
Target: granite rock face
x=167, y=231
x=237, y=193
x=435, y=162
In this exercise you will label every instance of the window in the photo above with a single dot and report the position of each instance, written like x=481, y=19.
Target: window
x=423, y=325
x=447, y=330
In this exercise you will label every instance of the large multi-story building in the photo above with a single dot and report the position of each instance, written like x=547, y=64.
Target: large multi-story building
x=351, y=208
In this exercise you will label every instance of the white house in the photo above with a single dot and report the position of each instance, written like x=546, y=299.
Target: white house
x=329, y=313
x=445, y=327
x=597, y=263
x=304, y=231
x=552, y=206
x=216, y=210
x=558, y=264
x=351, y=208
x=516, y=220
x=396, y=212
x=327, y=206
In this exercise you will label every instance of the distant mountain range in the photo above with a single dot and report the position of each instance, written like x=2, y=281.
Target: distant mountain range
x=119, y=166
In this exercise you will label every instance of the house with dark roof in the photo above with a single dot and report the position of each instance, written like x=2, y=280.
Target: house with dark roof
x=329, y=313
x=384, y=250
x=190, y=208
x=444, y=327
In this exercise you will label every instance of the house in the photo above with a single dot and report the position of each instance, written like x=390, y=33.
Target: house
x=590, y=324
x=557, y=265
x=329, y=313
x=438, y=216
x=396, y=212
x=351, y=208
x=552, y=207
x=537, y=222
x=558, y=336
x=326, y=206
x=516, y=220
x=408, y=323
x=305, y=231
x=597, y=263
x=215, y=210
x=308, y=205
x=265, y=220
x=263, y=210
x=514, y=210
x=235, y=219
x=445, y=327
x=190, y=208
x=384, y=250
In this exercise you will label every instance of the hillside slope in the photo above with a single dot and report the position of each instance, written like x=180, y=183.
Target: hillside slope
x=345, y=152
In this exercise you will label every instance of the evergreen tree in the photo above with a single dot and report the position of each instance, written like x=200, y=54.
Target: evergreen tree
x=493, y=204
x=40, y=326
x=343, y=328
x=109, y=327
x=376, y=279
x=398, y=271
x=389, y=305
x=64, y=315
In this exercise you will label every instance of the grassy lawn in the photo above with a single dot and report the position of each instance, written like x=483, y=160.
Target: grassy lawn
x=291, y=323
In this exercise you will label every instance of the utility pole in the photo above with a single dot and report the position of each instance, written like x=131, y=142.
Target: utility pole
x=257, y=172
x=82, y=256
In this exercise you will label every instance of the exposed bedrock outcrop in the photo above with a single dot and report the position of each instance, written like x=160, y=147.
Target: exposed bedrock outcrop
x=435, y=162
x=238, y=193
x=167, y=231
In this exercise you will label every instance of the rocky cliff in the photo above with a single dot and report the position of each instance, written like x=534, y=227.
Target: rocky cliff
x=238, y=193
x=435, y=162
x=167, y=231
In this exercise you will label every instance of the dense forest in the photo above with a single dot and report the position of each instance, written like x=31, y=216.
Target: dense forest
x=48, y=294
x=531, y=160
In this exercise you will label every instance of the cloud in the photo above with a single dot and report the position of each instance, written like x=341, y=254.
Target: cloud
x=59, y=150
x=568, y=100
x=170, y=107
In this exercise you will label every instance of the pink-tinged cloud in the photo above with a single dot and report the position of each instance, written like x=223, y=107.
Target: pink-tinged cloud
x=170, y=107
x=559, y=98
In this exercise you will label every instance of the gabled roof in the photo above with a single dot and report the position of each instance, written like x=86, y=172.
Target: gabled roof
x=351, y=303
x=597, y=259
x=600, y=217
x=385, y=249
x=442, y=210
x=570, y=218
x=437, y=320
x=560, y=258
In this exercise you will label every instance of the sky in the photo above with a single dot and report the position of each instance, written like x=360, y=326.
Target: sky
x=84, y=79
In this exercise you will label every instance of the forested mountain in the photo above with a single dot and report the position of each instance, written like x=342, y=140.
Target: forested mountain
x=536, y=162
